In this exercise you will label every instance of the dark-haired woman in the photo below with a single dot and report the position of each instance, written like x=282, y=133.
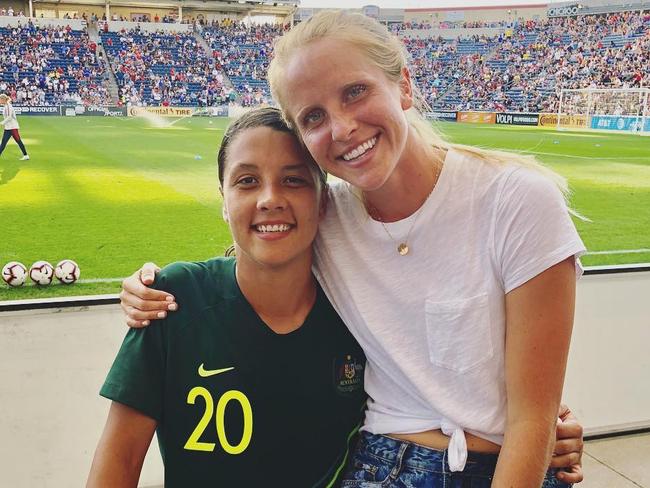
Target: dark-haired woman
x=256, y=381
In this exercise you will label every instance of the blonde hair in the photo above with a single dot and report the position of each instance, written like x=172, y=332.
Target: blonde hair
x=388, y=53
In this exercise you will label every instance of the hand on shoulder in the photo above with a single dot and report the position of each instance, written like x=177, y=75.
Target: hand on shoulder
x=140, y=302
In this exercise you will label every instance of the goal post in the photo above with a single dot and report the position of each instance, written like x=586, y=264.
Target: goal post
x=619, y=109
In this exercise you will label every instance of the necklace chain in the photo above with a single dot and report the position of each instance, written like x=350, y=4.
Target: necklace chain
x=403, y=247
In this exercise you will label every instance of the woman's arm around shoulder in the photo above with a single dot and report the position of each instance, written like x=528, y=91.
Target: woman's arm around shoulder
x=121, y=449
x=150, y=293
x=140, y=303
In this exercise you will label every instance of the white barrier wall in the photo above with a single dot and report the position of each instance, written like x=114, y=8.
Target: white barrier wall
x=451, y=33
x=608, y=378
x=117, y=26
x=79, y=24
x=75, y=24
x=53, y=362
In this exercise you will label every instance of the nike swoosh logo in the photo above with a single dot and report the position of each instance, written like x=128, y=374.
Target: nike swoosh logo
x=205, y=373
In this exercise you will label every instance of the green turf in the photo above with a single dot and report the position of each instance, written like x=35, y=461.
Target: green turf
x=113, y=193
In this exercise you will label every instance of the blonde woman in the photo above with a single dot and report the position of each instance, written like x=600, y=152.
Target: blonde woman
x=453, y=267
x=10, y=124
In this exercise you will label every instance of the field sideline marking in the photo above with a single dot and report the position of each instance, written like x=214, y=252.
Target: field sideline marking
x=588, y=253
x=622, y=251
x=101, y=280
x=613, y=158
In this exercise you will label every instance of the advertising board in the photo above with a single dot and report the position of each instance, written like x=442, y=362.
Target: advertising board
x=566, y=121
x=218, y=111
x=38, y=110
x=564, y=11
x=441, y=115
x=101, y=111
x=517, y=119
x=161, y=111
x=476, y=117
x=618, y=122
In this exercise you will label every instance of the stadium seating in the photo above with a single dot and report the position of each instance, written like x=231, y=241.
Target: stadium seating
x=244, y=53
x=47, y=66
x=163, y=69
x=525, y=68
x=522, y=68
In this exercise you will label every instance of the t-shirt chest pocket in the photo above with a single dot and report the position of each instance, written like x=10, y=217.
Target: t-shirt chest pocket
x=458, y=333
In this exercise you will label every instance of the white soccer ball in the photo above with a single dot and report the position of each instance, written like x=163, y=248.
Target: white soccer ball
x=67, y=271
x=14, y=273
x=41, y=273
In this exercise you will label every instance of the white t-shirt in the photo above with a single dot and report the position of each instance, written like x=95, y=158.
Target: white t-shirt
x=432, y=323
x=9, y=120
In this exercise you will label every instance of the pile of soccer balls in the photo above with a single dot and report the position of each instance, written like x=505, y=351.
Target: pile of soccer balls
x=41, y=273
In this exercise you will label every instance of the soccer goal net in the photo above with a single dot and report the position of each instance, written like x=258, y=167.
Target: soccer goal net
x=623, y=110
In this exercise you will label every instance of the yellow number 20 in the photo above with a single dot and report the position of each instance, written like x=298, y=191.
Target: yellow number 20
x=193, y=443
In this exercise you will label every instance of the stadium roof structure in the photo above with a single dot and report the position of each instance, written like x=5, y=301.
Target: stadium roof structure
x=259, y=7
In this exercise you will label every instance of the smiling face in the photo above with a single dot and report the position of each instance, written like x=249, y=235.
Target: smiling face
x=350, y=115
x=272, y=198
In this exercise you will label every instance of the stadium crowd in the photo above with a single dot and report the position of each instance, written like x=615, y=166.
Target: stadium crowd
x=10, y=12
x=243, y=52
x=522, y=68
x=398, y=27
x=45, y=66
x=164, y=68
x=525, y=68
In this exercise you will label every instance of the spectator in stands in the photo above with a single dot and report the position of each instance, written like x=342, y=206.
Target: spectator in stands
x=523, y=67
x=545, y=55
x=243, y=51
x=161, y=68
x=29, y=51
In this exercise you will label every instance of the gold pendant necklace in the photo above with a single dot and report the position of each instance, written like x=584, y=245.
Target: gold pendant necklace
x=403, y=247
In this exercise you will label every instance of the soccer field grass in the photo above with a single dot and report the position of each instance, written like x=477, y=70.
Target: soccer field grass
x=112, y=193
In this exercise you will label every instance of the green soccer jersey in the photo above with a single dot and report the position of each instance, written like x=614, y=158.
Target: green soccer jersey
x=238, y=405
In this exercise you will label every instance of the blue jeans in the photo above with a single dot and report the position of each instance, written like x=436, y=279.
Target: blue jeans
x=381, y=461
